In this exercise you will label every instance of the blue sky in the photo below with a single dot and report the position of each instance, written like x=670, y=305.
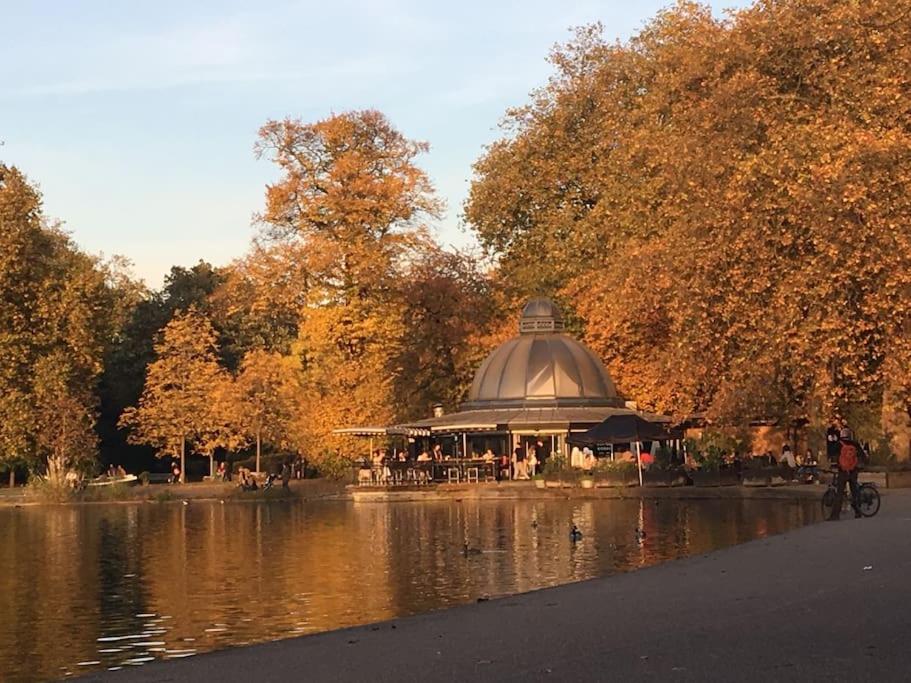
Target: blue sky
x=137, y=119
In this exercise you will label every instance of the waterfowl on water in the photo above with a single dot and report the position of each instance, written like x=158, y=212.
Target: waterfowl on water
x=574, y=533
x=467, y=550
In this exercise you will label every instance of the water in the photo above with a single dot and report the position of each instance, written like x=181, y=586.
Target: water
x=108, y=586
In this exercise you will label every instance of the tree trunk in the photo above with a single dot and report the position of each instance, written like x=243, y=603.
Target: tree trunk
x=183, y=458
x=211, y=465
x=258, y=448
x=12, y=477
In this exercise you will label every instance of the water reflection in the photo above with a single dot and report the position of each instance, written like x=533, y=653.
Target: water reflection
x=112, y=586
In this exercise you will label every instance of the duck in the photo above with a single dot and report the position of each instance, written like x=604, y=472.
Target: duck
x=575, y=534
x=185, y=502
x=640, y=533
x=534, y=524
x=468, y=550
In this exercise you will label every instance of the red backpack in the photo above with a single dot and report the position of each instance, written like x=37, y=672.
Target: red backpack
x=847, y=458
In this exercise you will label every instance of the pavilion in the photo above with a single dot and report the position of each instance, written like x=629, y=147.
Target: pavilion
x=541, y=385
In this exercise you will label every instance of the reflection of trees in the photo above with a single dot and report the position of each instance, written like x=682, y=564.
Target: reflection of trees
x=242, y=572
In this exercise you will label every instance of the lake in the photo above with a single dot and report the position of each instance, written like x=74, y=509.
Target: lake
x=105, y=586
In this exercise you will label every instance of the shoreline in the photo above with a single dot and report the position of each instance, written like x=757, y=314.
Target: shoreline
x=314, y=490
x=776, y=608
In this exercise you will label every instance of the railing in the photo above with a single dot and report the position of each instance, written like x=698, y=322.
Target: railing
x=411, y=473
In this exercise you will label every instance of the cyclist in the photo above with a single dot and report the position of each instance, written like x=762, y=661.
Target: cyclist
x=849, y=456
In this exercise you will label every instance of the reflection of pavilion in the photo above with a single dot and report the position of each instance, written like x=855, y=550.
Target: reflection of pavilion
x=540, y=385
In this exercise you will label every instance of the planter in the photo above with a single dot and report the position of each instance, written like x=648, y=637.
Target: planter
x=728, y=478
x=553, y=484
x=761, y=476
x=539, y=483
x=663, y=478
x=616, y=480
x=899, y=479
x=705, y=477
x=587, y=483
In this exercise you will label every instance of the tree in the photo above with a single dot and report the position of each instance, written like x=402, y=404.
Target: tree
x=449, y=304
x=176, y=405
x=724, y=202
x=352, y=195
x=55, y=304
x=259, y=302
x=262, y=400
x=64, y=419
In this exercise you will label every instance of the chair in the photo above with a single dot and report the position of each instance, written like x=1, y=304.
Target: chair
x=472, y=473
x=364, y=477
x=453, y=473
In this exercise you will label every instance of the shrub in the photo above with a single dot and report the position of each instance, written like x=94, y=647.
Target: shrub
x=615, y=467
x=555, y=465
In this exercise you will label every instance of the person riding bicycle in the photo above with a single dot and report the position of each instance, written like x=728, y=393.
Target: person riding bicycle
x=849, y=458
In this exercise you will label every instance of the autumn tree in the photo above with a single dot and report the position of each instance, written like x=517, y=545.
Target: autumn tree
x=262, y=400
x=258, y=303
x=725, y=203
x=64, y=419
x=449, y=305
x=55, y=303
x=352, y=195
x=176, y=408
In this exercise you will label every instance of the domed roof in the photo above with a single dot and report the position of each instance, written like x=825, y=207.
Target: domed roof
x=541, y=367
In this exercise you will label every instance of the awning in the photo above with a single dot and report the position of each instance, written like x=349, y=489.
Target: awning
x=361, y=431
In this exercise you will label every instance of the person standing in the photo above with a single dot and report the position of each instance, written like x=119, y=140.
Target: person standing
x=833, y=446
x=520, y=465
x=788, y=462
x=532, y=459
x=286, y=475
x=848, y=462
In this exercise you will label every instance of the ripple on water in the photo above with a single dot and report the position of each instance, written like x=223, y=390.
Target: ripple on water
x=176, y=582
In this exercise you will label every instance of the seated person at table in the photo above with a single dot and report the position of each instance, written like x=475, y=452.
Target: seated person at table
x=504, y=467
x=488, y=455
x=424, y=457
x=438, y=453
x=402, y=456
x=588, y=459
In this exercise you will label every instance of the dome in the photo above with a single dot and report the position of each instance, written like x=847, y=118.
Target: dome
x=541, y=367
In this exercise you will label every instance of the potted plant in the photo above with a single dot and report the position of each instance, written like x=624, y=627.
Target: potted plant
x=539, y=481
x=708, y=470
x=554, y=471
x=664, y=471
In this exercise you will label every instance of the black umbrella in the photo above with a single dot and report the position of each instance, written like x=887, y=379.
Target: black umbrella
x=625, y=428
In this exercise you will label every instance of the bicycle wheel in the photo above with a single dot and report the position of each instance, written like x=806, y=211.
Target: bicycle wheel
x=828, y=500
x=869, y=500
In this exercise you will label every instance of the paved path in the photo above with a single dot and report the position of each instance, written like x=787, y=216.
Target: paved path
x=800, y=606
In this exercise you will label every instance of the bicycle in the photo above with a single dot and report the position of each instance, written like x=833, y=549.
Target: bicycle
x=868, y=498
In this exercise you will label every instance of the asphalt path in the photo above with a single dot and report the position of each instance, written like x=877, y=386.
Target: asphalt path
x=831, y=601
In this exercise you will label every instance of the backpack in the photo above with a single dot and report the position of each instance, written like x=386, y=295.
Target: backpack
x=847, y=458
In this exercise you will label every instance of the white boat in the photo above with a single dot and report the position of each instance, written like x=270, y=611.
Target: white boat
x=105, y=481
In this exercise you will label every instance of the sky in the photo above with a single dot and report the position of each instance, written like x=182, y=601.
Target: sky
x=137, y=119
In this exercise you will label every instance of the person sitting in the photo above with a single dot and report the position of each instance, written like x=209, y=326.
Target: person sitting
x=488, y=456
x=120, y=472
x=787, y=462
x=503, y=468
x=424, y=457
x=588, y=459
x=808, y=468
